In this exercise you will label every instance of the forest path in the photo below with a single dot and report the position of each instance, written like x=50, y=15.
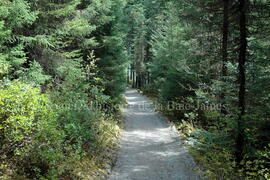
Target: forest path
x=150, y=147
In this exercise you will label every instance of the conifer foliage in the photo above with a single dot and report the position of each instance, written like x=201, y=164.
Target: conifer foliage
x=208, y=62
x=64, y=65
x=62, y=68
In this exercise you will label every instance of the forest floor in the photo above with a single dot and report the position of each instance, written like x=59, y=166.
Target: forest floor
x=150, y=148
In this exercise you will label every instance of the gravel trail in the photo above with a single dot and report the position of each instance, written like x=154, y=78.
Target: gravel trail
x=150, y=147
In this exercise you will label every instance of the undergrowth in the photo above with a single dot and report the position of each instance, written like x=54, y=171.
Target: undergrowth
x=42, y=140
x=212, y=144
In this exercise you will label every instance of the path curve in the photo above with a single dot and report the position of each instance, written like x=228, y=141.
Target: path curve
x=150, y=147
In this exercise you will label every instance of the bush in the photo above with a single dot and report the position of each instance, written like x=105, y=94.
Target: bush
x=256, y=165
x=29, y=135
x=218, y=162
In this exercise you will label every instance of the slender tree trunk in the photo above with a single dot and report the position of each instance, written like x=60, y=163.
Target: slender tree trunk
x=242, y=79
x=225, y=32
x=128, y=75
x=137, y=78
x=133, y=78
x=139, y=85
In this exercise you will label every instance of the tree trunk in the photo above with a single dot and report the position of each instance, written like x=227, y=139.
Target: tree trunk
x=225, y=32
x=242, y=79
x=139, y=80
x=133, y=78
x=128, y=75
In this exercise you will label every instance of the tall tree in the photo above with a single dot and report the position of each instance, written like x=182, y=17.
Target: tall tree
x=243, y=5
x=225, y=33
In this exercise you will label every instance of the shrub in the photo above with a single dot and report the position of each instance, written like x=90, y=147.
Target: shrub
x=256, y=165
x=218, y=162
x=28, y=132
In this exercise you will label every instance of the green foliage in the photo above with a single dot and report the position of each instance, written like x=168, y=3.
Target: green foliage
x=48, y=138
x=257, y=166
x=20, y=14
x=113, y=62
x=34, y=74
x=189, y=69
x=29, y=133
x=218, y=162
x=13, y=15
x=58, y=60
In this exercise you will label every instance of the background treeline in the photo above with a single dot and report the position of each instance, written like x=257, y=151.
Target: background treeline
x=209, y=52
x=57, y=57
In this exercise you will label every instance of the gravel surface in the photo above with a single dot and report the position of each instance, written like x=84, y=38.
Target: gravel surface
x=150, y=147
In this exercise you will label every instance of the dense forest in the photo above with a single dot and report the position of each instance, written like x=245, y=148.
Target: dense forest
x=64, y=65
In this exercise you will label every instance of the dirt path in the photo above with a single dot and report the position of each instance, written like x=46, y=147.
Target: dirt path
x=150, y=148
